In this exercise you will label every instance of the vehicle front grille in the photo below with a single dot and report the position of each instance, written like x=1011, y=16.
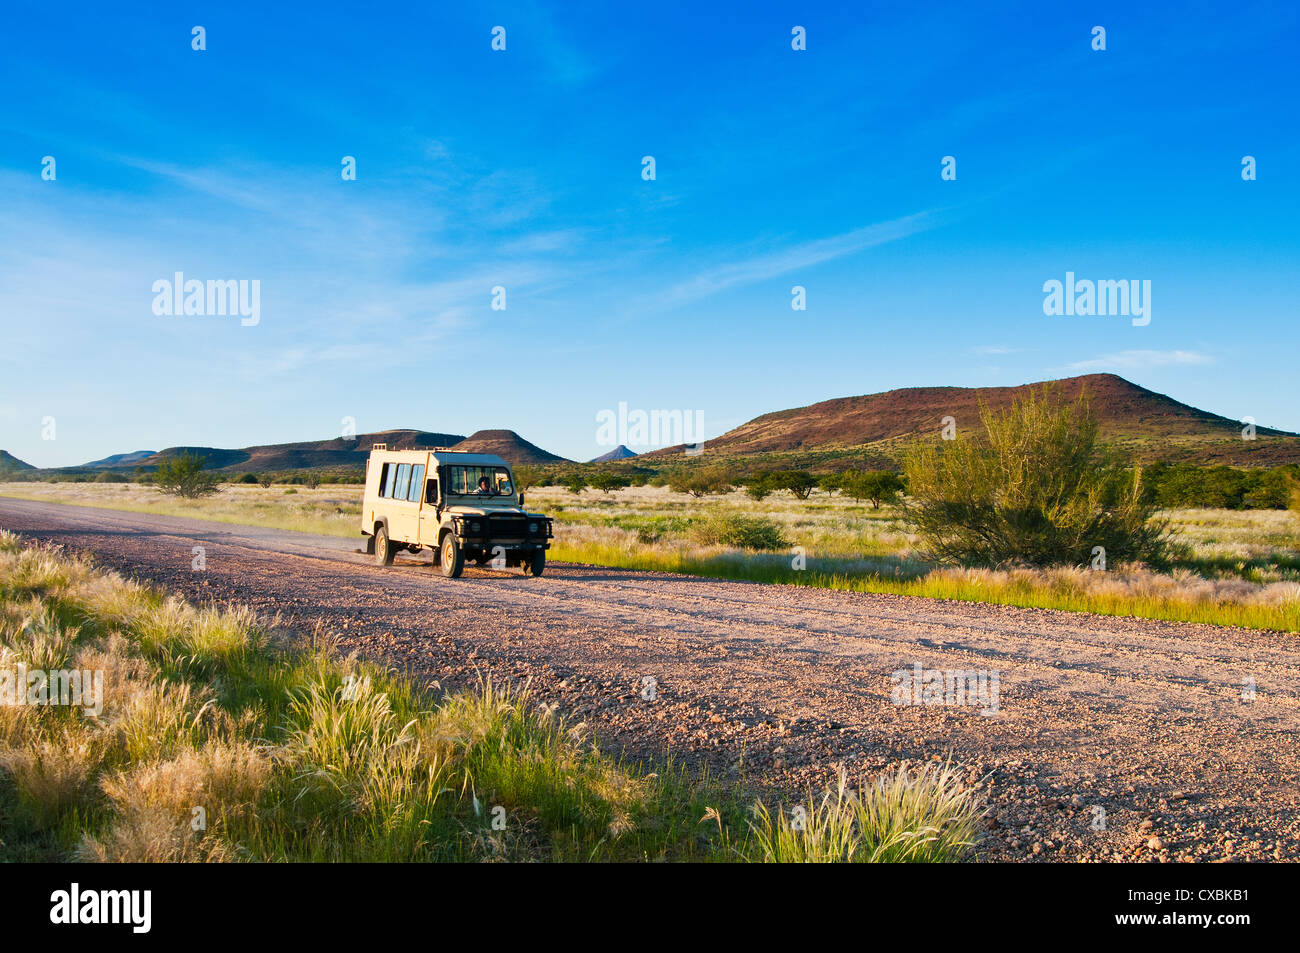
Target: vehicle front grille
x=508, y=527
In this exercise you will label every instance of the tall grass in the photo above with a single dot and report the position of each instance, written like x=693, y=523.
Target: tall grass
x=925, y=816
x=225, y=738
x=1180, y=596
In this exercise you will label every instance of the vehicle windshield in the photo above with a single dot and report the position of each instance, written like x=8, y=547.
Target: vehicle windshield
x=479, y=481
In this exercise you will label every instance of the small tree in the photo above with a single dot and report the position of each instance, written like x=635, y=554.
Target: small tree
x=830, y=482
x=312, y=479
x=183, y=475
x=526, y=477
x=576, y=483
x=800, y=483
x=759, y=486
x=1035, y=488
x=875, y=486
x=608, y=482
x=701, y=482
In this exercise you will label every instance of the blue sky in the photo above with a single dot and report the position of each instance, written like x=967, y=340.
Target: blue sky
x=522, y=169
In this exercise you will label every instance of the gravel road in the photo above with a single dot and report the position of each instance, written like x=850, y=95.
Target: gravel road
x=1112, y=738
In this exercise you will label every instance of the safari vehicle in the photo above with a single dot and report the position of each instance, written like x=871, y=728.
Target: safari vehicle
x=460, y=505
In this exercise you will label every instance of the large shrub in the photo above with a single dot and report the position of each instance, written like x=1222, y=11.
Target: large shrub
x=703, y=481
x=183, y=475
x=1034, y=488
x=738, y=530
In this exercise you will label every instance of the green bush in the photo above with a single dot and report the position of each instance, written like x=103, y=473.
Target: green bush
x=250, y=478
x=183, y=475
x=1035, y=488
x=111, y=478
x=1220, y=487
x=738, y=530
x=758, y=487
x=828, y=483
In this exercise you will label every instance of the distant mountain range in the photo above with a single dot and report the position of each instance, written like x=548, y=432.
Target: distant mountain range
x=336, y=453
x=352, y=452
x=869, y=430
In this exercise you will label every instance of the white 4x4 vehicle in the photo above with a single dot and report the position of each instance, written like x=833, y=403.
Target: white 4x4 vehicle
x=461, y=505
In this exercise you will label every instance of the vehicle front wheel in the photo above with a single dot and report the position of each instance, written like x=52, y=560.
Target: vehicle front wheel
x=451, y=557
x=384, y=551
x=535, y=564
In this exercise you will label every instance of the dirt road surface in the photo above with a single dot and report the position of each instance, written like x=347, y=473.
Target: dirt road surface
x=1112, y=738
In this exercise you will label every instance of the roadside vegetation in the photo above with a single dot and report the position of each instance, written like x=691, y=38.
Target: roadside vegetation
x=1033, y=511
x=1032, y=488
x=223, y=737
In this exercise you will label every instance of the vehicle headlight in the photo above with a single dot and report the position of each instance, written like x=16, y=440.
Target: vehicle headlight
x=532, y=527
x=474, y=526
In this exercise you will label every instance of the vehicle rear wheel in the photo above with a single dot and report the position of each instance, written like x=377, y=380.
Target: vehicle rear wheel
x=452, y=557
x=384, y=551
x=536, y=563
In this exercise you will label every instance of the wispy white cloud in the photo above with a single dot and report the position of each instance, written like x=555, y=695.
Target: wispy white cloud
x=804, y=255
x=1141, y=360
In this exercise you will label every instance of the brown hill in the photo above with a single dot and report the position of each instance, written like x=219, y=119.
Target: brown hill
x=338, y=452
x=508, y=445
x=1146, y=424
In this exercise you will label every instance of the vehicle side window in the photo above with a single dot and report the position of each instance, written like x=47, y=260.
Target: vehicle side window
x=431, y=492
x=403, y=481
x=386, y=480
x=417, y=481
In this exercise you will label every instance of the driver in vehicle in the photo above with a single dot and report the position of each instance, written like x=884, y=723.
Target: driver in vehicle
x=484, y=487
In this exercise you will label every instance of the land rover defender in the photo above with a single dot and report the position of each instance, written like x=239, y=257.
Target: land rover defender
x=460, y=505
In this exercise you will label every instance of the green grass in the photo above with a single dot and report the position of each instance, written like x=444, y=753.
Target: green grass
x=289, y=751
x=1067, y=590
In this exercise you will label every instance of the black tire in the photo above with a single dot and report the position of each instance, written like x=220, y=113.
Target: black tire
x=452, y=557
x=535, y=565
x=384, y=549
